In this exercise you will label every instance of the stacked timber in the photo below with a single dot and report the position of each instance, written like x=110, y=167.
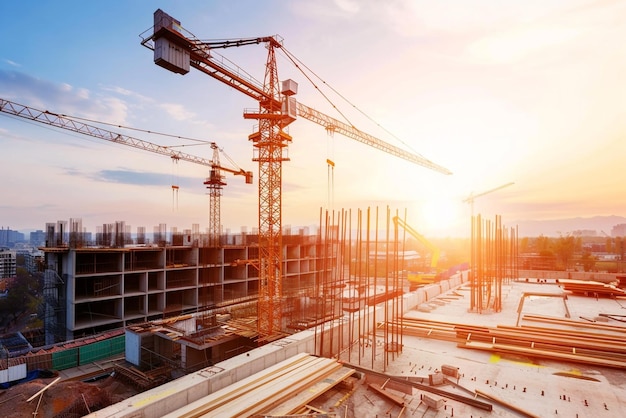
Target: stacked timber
x=437, y=330
x=283, y=389
x=600, y=349
x=591, y=288
x=581, y=342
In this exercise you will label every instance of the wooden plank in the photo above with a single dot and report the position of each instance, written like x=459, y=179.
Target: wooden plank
x=576, y=358
x=286, y=388
x=507, y=404
x=43, y=389
x=266, y=389
x=292, y=405
x=393, y=398
x=223, y=396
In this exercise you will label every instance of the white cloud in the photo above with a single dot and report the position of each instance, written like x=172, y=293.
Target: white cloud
x=12, y=63
x=177, y=111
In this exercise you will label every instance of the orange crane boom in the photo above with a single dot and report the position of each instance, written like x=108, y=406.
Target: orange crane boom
x=177, y=50
x=66, y=122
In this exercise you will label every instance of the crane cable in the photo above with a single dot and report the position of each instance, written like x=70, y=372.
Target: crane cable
x=200, y=141
x=295, y=61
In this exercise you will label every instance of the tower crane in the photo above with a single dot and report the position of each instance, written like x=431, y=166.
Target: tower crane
x=176, y=50
x=214, y=182
x=472, y=196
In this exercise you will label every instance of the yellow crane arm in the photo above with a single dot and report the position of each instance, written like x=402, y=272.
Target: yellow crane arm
x=434, y=251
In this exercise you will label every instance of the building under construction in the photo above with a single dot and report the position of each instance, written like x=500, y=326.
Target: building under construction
x=116, y=282
x=325, y=323
x=491, y=341
x=356, y=341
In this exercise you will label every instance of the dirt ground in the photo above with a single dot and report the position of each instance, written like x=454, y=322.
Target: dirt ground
x=64, y=399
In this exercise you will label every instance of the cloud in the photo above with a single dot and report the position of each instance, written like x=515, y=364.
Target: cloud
x=12, y=63
x=142, y=178
x=178, y=111
x=60, y=97
x=235, y=187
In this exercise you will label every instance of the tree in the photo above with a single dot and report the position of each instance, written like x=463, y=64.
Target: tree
x=524, y=245
x=619, y=247
x=542, y=244
x=564, y=247
x=588, y=261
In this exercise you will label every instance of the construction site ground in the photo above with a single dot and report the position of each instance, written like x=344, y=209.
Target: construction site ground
x=488, y=383
x=66, y=395
x=514, y=385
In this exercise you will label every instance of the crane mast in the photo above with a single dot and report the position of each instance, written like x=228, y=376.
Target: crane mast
x=214, y=183
x=177, y=52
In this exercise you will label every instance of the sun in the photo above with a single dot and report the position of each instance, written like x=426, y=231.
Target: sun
x=440, y=214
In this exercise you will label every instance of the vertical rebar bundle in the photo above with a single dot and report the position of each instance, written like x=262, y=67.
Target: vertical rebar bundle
x=361, y=289
x=493, y=260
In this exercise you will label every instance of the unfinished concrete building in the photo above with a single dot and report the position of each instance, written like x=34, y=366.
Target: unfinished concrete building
x=91, y=288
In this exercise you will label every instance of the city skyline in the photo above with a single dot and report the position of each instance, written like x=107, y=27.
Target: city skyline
x=525, y=93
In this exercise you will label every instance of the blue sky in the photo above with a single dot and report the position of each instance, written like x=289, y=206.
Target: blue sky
x=497, y=92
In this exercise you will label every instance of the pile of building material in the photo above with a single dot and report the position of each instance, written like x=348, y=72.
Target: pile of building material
x=591, y=288
x=567, y=340
x=600, y=349
x=283, y=389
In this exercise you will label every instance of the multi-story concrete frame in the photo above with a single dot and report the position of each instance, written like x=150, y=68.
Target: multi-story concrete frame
x=90, y=290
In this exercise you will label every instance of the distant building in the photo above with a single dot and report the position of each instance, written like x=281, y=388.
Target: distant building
x=38, y=238
x=34, y=261
x=585, y=233
x=8, y=264
x=8, y=237
x=618, y=230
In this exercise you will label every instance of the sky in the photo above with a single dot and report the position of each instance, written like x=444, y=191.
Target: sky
x=498, y=92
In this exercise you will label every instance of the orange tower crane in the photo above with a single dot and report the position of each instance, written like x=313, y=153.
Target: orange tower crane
x=214, y=182
x=176, y=50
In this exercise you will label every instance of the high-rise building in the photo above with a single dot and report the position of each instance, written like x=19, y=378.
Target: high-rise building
x=38, y=238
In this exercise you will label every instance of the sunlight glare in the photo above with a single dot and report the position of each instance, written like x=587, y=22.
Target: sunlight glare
x=439, y=214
